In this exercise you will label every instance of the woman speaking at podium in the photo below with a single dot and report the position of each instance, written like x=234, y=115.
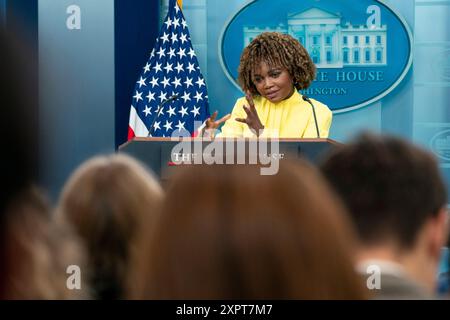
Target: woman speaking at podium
x=273, y=67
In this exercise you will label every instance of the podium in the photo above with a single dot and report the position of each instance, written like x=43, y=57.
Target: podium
x=165, y=155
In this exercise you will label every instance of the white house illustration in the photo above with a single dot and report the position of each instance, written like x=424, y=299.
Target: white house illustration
x=330, y=43
x=443, y=144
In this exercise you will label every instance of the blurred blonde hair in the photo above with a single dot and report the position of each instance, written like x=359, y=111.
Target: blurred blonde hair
x=110, y=201
x=38, y=251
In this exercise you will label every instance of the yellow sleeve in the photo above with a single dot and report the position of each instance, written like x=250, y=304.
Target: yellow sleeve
x=324, y=129
x=233, y=128
x=324, y=119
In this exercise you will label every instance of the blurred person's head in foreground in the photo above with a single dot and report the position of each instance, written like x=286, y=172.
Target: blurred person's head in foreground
x=39, y=252
x=110, y=201
x=18, y=108
x=397, y=200
x=34, y=251
x=226, y=232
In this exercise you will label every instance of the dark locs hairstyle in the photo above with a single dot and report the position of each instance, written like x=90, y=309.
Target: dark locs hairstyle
x=277, y=50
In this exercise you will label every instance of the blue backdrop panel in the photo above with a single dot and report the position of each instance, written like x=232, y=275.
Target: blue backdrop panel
x=76, y=85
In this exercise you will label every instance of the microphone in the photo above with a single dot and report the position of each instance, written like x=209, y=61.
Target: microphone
x=314, y=113
x=171, y=98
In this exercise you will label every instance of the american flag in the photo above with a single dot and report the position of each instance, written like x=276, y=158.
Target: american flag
x=170, y=94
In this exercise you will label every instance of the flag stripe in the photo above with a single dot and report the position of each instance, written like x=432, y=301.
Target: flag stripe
x=131, y=134
x=136, y=125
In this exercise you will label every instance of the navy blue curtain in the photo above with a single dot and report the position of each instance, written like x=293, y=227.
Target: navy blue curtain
x=21, y=21
x=20, y=18
x=22, y=13
x=136, y=29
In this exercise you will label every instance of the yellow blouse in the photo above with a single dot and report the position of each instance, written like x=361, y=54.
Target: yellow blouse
x=290, y=118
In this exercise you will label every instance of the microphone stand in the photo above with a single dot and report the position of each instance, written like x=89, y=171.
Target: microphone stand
x=314, y=113
x=174, y=97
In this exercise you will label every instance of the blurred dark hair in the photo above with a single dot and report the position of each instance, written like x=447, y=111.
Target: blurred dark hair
x=227, y=232
x=18, y=112
x=390, y=186
x=18, y=115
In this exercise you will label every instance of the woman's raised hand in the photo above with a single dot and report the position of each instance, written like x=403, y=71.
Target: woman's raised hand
x=252, y=119
x=212, y=124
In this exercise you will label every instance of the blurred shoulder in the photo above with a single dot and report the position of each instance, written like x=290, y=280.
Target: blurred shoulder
x=322, y=108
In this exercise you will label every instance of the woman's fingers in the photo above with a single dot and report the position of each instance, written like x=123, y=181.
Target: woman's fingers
x=247, y=110
x=214, y=116
x=223, y=119
x=249, y=98
x=241, y=120
x=210, y=122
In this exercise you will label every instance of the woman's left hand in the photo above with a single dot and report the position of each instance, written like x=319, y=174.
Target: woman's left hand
x=252, y=119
